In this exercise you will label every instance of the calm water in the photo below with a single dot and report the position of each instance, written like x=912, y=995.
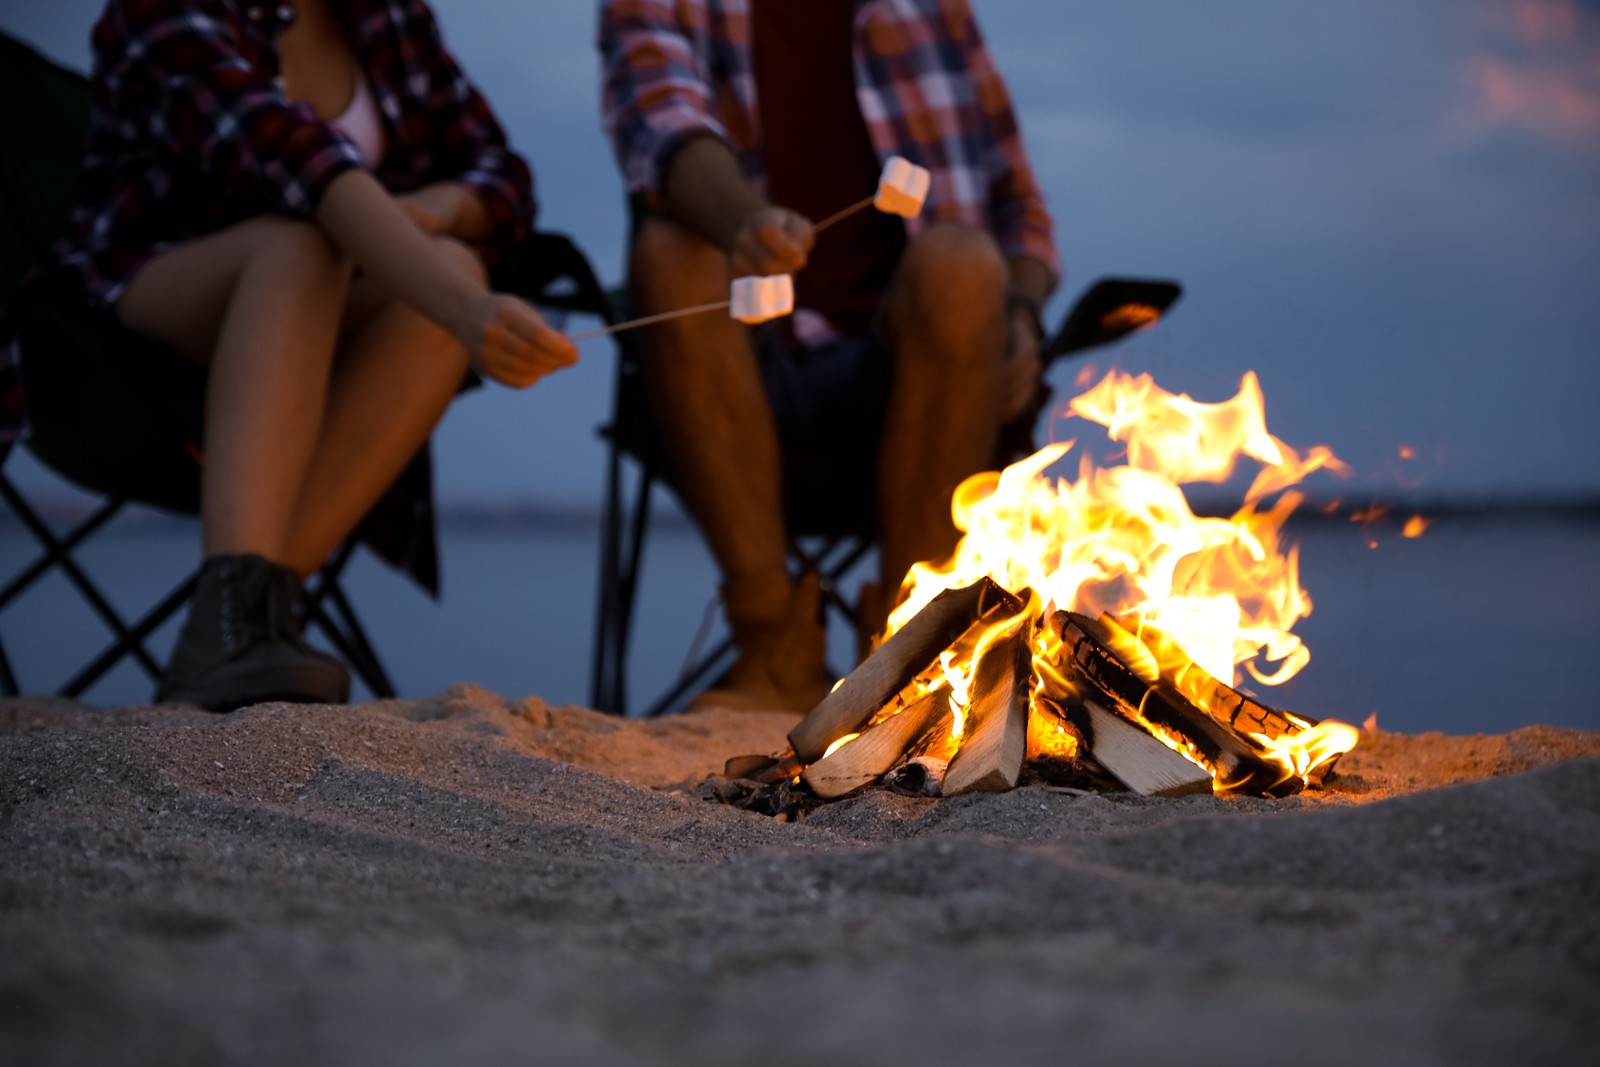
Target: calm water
x=1481, y=625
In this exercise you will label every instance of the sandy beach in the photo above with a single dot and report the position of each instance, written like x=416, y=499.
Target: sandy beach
x=467, y=879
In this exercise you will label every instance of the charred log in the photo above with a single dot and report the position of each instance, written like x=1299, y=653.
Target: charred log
x=1235, y=763
x=1224, y=703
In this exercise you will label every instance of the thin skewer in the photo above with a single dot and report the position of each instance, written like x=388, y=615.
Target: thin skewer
x=843, y=213
x=647, y=320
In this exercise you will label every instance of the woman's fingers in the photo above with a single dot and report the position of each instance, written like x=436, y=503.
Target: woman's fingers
x=519, y=347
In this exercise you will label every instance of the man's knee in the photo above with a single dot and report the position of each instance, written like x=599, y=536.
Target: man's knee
x=671, y=266
x=951, y=288
x=948, y=265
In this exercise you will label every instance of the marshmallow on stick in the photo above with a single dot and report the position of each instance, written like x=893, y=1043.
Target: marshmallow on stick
x=902, y=187
x=757, y=299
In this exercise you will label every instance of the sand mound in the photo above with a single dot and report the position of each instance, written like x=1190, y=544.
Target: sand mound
x=467, y=879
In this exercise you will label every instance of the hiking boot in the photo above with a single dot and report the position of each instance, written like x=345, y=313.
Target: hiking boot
x=242, y=642
x=782, y=645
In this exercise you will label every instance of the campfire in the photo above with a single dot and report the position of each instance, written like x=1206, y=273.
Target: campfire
x=1090, y=633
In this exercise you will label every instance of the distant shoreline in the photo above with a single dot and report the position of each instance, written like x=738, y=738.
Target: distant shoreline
x=668, y=518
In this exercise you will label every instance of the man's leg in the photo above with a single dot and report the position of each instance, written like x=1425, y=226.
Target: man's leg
x=946, y=327
x=712, y=411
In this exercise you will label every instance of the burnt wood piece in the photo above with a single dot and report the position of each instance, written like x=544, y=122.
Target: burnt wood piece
x=867, y=758
x=995, y=740
x=1223, y=701
x=1235, y=762
x=764, y=769
x=895, y=662
x=1138, y=760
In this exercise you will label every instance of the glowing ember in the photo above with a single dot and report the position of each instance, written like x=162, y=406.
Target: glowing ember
x=1415, y=526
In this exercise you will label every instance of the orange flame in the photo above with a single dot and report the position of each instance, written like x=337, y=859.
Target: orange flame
x=1123, y=539
x=1415, y=526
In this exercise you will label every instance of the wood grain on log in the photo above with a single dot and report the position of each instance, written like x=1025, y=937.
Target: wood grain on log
x=896, y=662
x=879, y=748
x=995, y=740
x=1138, y=760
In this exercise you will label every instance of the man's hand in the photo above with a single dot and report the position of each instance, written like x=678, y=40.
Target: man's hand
x=512, y=344
x=1023, y=367
x=773, y=240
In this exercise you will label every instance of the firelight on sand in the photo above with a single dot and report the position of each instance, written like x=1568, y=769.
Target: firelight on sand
x=1208, y=598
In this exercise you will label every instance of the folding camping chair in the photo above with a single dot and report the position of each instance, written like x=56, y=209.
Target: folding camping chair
x=44, y=110
x=825, y=535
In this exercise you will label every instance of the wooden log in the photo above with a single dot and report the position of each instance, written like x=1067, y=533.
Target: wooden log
x=995, y=740
x=1225, y=703
x=896, y=662
x=1138, y=760
x=1233, y=760
x=867, y=758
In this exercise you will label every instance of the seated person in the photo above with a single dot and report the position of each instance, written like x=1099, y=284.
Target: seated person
x=914, y=341
x=301, y=198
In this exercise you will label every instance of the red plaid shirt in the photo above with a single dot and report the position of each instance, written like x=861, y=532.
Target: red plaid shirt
x=189, y=132
x=928, y=89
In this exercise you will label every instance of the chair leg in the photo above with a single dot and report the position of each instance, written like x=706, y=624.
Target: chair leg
x=59, y=556
x=621, y=556
x=132, y=641
x=604, y=682
x=713, y=662
x=8, y=677
x=346, y=633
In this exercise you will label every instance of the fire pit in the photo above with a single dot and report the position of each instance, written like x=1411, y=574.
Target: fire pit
x=1088, y=634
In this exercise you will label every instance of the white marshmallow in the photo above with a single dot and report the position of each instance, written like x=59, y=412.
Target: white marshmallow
x=902, y=187
x=757, y=299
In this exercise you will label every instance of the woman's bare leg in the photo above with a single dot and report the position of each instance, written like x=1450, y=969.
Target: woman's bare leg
x=260, y=302
x=296, y=450
x=395, y=375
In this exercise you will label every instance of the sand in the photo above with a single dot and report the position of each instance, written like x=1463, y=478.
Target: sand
x=467, y=879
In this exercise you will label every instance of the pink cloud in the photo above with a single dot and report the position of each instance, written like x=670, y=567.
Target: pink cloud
x=1543, y=73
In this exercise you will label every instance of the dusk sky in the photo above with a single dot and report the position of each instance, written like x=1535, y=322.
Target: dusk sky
x=1389, y=209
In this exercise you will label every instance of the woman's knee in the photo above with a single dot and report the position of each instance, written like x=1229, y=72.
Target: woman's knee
x=283, y=244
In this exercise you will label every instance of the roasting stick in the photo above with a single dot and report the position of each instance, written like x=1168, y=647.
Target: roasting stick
x=649, y=319
x=844, y=213
x=901, y=189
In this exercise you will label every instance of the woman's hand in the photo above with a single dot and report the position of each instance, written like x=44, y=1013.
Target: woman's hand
x=509, y=342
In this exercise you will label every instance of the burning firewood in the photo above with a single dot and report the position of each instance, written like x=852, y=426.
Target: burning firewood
x=995, y=739
x=866, y=758
x=1158, y=707
x=1136, y=759
x=896, y=662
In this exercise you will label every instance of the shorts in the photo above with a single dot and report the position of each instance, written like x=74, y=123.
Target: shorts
x=828, y=404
